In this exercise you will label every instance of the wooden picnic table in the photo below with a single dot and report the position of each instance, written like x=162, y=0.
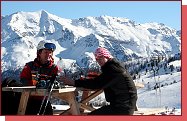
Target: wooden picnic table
x=67, y=94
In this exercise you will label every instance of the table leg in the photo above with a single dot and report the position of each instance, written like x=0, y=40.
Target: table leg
x=74, y=106
x=71, y=99
x=23, y=102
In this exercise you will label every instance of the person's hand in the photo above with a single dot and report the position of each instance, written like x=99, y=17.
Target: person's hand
x=67, y=81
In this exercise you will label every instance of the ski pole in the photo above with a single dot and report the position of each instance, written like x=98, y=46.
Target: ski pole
x=49, y=88
x=48, y=98
x=45, y=95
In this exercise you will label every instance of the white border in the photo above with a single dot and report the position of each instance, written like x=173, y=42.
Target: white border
x=2, y=118
x=184, y=2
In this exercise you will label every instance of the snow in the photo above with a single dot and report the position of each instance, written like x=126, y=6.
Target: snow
x=168, y=95
x=60, y=107
x=165, y=96
x=64, y=64
x=176, y=63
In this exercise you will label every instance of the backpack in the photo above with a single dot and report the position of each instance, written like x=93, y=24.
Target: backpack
x=10, y=100
x=10, y=82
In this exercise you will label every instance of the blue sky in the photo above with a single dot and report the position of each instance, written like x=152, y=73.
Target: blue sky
x=167, y=12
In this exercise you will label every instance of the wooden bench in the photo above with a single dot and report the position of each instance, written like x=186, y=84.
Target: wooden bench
x=90, y=94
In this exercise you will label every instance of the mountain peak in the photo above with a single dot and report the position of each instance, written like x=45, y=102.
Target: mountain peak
x=43, y=13
x=123, y=37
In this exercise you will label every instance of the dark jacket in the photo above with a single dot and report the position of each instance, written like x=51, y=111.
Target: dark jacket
x=117, y=83
x=35, y=102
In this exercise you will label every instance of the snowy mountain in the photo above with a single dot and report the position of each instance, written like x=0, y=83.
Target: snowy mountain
x=77, y=39
x=133, y=43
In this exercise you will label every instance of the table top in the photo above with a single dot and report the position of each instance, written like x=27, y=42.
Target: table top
x=61, y=90
x=33, y=88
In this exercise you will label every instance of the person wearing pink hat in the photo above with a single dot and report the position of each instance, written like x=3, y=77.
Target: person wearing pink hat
x=118, y=86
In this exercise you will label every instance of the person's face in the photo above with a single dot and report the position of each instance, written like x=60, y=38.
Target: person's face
x=101, y=60
x=45, y=55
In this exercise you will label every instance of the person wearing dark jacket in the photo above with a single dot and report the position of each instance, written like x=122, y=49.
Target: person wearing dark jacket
x=118, y=86
x=42, y=67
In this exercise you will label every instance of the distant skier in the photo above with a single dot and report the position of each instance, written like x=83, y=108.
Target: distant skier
x=148, y=86
x=116, y=82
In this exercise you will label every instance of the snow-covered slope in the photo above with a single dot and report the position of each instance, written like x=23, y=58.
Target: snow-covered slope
x=77, y=39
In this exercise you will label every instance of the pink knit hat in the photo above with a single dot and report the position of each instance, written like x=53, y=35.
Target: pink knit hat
x=102, y=52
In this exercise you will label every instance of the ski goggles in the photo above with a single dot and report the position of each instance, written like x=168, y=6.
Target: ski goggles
x=50, y=46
